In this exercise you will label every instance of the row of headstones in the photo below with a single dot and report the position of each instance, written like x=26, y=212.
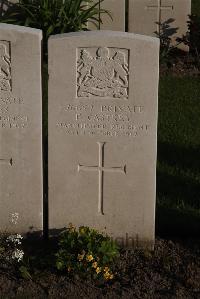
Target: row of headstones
x=144, y=16
x=103, y=91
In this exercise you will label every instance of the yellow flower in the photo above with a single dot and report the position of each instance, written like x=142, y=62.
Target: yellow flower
x=80, y=257
x=71, y=227
x=98, y=270
x=111, y=276
x=106, y=275
x=89, y=258
x=94, y=265
x=106, y=269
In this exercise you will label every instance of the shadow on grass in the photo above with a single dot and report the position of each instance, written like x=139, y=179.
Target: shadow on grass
x=178, y=179
x=177, y=223
x=174, y=155
x=178, y=191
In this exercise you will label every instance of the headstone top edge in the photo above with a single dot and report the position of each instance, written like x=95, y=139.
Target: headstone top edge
x=5, y=26
x=104, y=33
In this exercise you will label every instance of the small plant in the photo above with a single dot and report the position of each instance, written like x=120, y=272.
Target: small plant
x=165, y=34
x=54, y=16
x=86, y=253
x=9, y=249
x=11, y=253
x=192, y=37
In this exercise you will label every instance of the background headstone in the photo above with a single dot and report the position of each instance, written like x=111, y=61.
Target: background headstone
x=5, y=4
x=143, y=15
x=20, y=128
x=117, y=11
x=103, y=93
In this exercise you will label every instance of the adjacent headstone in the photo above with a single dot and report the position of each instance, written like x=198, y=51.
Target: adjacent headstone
x=144, y=14
x=114, y=22
x=20, y=128
x=103, y=92
x=6, y=3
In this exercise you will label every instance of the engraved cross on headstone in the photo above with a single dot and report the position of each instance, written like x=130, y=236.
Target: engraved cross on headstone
x=7, y=161
x=159, y=9
x=101, y=169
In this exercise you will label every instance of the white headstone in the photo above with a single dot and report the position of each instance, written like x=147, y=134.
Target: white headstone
x=103, y=93
x=143, y=15
x=20, y=128
x=117, y=12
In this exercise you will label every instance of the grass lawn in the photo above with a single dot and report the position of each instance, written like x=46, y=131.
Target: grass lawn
x=196, y=7
x=178, y=166
x=178, y=171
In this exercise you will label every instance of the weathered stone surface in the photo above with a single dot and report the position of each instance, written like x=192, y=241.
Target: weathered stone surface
x=117, y=22
x=143, y=15
x=20, y=128
x=103, y=93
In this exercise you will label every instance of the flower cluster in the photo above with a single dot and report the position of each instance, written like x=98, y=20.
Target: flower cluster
x=15, y=239
x=89, y=258
x=107, y=273
x=86, y=252
x=10, y=245
x=18, y=255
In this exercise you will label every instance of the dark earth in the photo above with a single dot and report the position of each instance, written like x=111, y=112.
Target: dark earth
x=172, y=270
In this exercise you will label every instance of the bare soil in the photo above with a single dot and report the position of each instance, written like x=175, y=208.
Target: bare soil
x=172, y=270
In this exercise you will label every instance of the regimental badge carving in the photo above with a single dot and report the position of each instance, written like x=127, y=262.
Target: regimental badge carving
x=5, y=66
x=102, y=72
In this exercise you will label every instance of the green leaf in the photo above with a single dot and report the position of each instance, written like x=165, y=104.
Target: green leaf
x=59, y=265
x=24, y=272
x=54, y=16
